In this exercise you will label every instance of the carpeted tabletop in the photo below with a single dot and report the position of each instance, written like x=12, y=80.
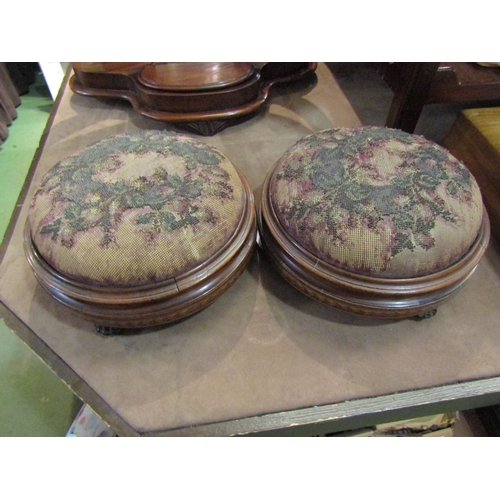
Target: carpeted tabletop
x=262, y=347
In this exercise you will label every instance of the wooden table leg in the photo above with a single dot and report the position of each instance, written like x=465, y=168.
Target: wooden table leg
x=411, y=87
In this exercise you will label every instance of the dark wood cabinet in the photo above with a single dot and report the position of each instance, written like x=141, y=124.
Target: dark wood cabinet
x=416, y=84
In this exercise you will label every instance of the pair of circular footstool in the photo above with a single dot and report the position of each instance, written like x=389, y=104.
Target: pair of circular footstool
x=147, y=228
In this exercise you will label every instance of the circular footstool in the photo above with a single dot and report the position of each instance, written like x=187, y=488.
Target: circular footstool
x=374, y=221
x=140, y=229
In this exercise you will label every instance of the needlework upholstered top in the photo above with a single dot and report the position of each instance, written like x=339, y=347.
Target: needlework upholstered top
x=135, y=209
x=376, y=201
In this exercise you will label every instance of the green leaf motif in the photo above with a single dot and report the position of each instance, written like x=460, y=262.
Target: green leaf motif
x=168, y=221
x=191, y=189
x=167, y=201
x=134, y=199
x=78, y=224
x=175, y=181
x=208, y=157
x=52, y=228
x=145, y=218
x=452, y=187
x=72, y=211
x=403, y=220
x=402, y=181
x=327, y=179
x=191, y=164
x=357, y=192
x=426, y=181
x=403, y=241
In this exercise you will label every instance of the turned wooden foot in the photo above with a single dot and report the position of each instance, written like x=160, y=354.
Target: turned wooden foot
x=107, y=330
x=425, y=315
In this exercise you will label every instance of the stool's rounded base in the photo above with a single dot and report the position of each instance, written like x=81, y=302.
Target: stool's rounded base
x=378, y=297
x=150, y=305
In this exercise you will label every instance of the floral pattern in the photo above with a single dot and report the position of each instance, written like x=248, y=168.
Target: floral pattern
x=170, y=200
x=342, y=190
x=144, y=205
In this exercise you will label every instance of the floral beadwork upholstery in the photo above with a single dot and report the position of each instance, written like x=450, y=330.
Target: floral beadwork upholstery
x=376, y=201
x=136, y=209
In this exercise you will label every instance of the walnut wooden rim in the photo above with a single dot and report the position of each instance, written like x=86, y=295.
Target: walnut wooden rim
x=356, y=293
x=158, y=303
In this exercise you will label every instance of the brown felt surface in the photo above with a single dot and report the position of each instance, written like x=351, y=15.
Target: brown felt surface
x=262, y=347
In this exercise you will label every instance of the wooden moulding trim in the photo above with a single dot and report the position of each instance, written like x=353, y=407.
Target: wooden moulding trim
x=246, y=94
x=170, y=106
x=148, y=305
x=163, y=115
x=193, y=77
x=357, y=293
x=159, y=311
x=339, y=294
x=170, y=309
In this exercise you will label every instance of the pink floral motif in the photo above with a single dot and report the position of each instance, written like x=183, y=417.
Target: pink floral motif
x=368, y=180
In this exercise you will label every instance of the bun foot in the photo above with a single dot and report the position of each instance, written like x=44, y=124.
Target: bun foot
x=425, y=315
x=107, y=330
